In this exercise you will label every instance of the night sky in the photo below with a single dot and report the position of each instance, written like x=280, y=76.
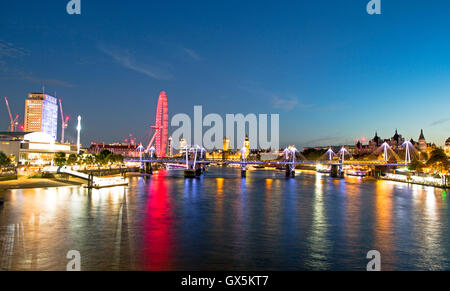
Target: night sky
x=332, y=72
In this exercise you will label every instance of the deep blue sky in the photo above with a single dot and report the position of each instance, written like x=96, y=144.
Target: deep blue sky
x=332, y=72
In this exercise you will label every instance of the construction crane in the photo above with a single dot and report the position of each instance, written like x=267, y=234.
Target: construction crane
x=14, y=122
x=64, y=121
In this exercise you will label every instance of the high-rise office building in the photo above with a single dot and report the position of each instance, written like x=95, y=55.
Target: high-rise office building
x=41, y=114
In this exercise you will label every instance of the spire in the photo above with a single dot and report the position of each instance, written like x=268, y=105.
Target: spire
x=421, y=135
x=396, y=136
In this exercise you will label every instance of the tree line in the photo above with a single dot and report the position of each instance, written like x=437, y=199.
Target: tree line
x=104, y=158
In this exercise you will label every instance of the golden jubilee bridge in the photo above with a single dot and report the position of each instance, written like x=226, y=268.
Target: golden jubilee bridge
x=194, y=161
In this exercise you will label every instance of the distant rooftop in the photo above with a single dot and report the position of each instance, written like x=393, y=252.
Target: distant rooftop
x=39, y=94
x=12, y=134
x=8, y=136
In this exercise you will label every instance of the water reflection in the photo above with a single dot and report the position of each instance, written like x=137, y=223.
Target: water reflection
x=384, y=231
x=157, y=229
x=224, y=222
x=431, y=229
x=318, y=240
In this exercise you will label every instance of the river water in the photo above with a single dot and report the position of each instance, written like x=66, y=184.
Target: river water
x=223, y=222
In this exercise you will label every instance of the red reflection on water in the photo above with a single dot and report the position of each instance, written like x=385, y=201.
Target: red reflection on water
x=158, y=239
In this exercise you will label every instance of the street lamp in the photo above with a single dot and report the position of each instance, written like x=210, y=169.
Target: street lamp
x=78, y=135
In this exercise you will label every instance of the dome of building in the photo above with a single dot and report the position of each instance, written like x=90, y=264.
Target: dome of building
x=39, y=137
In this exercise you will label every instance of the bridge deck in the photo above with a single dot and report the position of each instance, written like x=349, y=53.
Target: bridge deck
x=280, y=163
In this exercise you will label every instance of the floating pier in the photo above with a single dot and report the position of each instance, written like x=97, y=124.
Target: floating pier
x=93, y=182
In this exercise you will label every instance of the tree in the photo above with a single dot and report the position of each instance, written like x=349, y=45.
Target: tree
x=423, y=156
x=103, y=157
x=313, y=154
x=416, y=165
x=114, y=159
x=72, y=159
x=4, y=159
x=438, y=160
x=60, y=159
x=118, y=159
x=88, y=159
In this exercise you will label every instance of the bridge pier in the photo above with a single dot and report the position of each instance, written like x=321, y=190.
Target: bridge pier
x=190, y=173
x=290, y=171
x=91, y=181
x=336, y=171
x=198, y=170
x=148, y=168
x=379, y=171
x=244, y=171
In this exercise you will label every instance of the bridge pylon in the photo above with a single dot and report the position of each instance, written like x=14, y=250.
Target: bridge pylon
x=243, y=152
x=194, y=168
x=290, y=158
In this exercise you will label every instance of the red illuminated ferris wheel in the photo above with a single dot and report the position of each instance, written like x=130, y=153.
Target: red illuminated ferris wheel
x=161, y=127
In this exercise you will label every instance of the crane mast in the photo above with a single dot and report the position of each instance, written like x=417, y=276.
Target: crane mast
x=16, y=123
x=12, y=122
x=64, y=121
